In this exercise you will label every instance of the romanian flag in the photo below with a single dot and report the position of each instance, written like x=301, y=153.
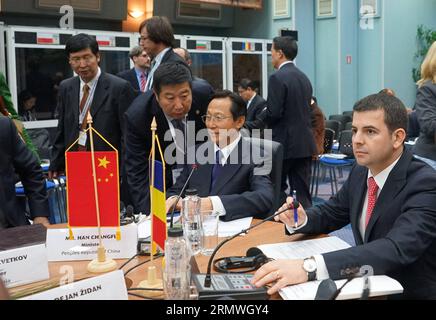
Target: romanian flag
x=81, y=204
x=248, y=46
x=158, y=207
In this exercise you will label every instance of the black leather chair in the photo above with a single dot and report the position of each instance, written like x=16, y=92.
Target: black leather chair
x=335, y=125
x=272, y=154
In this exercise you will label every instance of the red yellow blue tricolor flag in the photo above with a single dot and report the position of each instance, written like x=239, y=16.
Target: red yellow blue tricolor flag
x=157, y=197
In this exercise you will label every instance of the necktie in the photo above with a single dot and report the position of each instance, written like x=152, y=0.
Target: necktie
x=149, y=85
x=178, y=124
x=143, y=81
x=216, y=169
x=372, y=198
x=84, y=97
x=81, y=106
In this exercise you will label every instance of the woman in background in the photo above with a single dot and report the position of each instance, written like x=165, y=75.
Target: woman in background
x=425, y=106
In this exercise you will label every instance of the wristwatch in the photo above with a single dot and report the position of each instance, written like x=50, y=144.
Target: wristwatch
x=309, y=265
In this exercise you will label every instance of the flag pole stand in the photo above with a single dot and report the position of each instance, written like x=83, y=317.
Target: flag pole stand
x=102, y=263
x=152, y=281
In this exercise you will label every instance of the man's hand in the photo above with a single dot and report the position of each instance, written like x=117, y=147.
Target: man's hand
x=171, y=201
x=42, y=220
x=282, y=272
x=206, y=204
x=55, y=174
x=287, y=217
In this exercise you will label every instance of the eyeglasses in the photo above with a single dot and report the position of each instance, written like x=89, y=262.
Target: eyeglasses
x=77, y=60
x=217, y=118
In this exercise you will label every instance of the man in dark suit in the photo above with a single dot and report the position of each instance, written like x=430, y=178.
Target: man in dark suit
x=178, y=120
x=157, y=39
x=137, y=76
x=227, y=178
x=16, y=158
x=247, y=89
x=390, y=201
x=104, y=96
x=288, y=106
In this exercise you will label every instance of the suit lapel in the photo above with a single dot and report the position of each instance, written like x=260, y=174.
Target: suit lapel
x=100, y=95
x=74, y=98
x=359, y=190
x=393, y=185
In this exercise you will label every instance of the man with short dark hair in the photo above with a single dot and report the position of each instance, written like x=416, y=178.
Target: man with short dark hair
x=102, y=95
x=157, y=39
x=137, y=76
x=288, y=105
x=247, y=89
x=230, y=183
x=170, y=103
x=390, y=200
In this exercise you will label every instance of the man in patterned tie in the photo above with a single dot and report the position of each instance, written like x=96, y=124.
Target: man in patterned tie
x=137, y=76
x=390, y=200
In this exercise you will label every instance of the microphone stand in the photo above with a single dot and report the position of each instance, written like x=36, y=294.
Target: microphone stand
x=194, y=167
x=208, y=279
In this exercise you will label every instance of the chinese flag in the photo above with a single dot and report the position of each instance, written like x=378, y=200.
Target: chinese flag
x=81, y=204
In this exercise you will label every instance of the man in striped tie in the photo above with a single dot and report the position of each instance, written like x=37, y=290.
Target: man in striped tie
x=138, y=75
x=390, y=200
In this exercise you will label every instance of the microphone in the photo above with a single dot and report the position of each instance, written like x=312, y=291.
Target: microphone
x=194, y=167
x=326, y=289
x=208, y=278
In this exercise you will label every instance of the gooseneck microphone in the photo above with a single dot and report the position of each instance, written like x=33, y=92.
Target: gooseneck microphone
x=194, y=167
x=208, y=278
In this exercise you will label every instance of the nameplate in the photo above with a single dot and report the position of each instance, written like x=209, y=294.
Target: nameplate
x=24, y=265
x=110, y=286
x=86, y=241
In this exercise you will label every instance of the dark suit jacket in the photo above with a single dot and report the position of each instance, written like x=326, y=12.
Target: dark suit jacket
x=289, y=95
x=16, y=158
x=138, y=141
x=112, y=97
x=253, y=121
x=400, y=240
x=242, y=190
x=425, y=106
x=130, y=77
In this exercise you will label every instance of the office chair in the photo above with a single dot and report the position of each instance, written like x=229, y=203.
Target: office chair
x=273, y=155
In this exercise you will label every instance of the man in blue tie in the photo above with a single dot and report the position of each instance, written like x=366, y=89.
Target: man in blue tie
x=390, y=200
x=227, y=178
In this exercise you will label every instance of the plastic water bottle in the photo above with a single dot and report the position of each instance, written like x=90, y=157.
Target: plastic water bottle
x=192, y=225
x=177, y=270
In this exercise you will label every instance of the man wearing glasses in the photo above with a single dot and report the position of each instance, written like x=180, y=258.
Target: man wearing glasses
x=104, y=96
x=227, y=178
x=178, y=121
x=137, y=76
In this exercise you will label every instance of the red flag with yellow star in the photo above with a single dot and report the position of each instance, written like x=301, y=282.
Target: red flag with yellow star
x=81, y=204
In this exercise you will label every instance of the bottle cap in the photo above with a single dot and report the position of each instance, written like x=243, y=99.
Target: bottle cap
x=191, y=192
x=175, y=232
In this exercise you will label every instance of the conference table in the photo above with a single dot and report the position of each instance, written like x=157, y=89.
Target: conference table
x=267, y=233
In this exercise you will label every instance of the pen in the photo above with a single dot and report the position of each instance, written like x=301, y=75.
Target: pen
x=294, y=197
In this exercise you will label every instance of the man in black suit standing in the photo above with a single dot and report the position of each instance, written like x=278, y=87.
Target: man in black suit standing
x=137, y=76
x=178, y=121
x=288, y=106
x=16, y=158
x=390, y=200
x=247, y=89
x=104, y=96
x=157, y=39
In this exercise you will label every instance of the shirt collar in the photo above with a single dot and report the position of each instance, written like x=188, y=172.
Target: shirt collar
x=251, y=100
x=381, y=178
x=91, y=82
x=227, y=150
x=160, y=56
x=284, y=63
x=139, y=72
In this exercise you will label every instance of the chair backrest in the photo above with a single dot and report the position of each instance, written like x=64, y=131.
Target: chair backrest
x=345, y=143
x=335, y=125
x=273, y=153
x=328, y=140
x=348, y=113
x=341, y=118
x=348, y=125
